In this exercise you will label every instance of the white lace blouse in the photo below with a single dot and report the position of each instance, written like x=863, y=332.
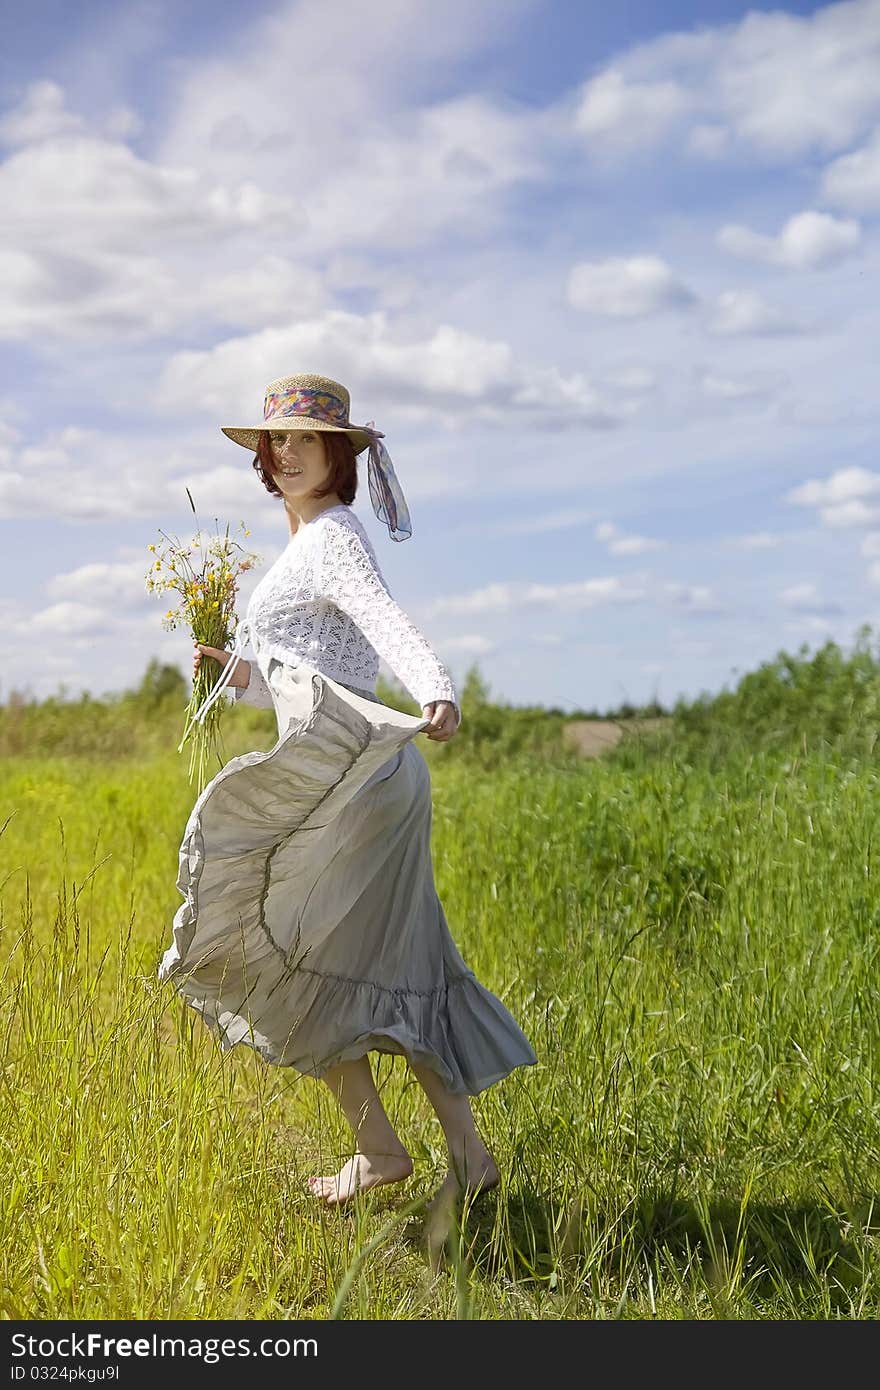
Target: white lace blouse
x=324, y=603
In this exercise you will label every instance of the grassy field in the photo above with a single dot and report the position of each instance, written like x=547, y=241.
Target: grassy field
x=687, y=930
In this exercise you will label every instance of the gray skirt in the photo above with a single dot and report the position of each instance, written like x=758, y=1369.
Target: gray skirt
x=311, y=929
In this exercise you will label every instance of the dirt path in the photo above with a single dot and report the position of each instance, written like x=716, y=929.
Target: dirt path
x=592, y=737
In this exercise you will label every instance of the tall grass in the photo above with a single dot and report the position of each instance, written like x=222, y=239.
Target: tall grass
x=689, y=938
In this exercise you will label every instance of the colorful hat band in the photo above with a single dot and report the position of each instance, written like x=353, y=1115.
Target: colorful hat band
x=319, y=404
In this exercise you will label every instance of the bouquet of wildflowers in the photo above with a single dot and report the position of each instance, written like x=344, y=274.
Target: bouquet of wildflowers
x=205, y=575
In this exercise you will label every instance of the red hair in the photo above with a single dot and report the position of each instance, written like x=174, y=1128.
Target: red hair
x=340, y=455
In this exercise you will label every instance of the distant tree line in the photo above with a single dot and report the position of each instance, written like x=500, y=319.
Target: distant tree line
x=796, y=699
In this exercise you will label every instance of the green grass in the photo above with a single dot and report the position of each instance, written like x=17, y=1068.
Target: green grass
x=690, y=942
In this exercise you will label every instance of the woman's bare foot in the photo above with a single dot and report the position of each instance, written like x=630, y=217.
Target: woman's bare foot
x=465, y=1181
x=359, y=1174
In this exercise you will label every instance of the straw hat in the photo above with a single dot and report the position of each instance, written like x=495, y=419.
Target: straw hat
x=312, y=402
x=303, y=402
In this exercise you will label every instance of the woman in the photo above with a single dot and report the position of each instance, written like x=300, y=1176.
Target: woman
x=311, y=927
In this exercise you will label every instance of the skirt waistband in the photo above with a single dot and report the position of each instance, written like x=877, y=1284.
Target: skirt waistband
x=355, y=689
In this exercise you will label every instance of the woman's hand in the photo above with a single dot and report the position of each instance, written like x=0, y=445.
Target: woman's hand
x=240, y=676
x=443, y=720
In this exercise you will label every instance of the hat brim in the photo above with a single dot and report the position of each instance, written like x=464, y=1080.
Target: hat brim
x=248, y=437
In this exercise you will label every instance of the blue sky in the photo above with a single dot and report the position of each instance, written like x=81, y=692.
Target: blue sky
x=605, y=277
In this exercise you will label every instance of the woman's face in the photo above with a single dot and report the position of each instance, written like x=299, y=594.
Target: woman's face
x=300, y=461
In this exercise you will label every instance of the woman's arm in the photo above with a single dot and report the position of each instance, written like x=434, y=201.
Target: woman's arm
x=346, y=574
x=256, y=692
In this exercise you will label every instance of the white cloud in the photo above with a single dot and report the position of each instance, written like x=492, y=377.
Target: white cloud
x=870, y=548
x=40, y=115
x=853, y=180
x=781, y=85
x=468, y=644
x=617, y=112
x=81, y=297
x=268, y=289
x=81, y=192
x=845, y=514
x=742, y=312
x=102, y=242
x=386, y=164
x=748, y=386
x=694, y=598
x=68, y=620
x=617, y=543
x=811, y=623
x=845, y=485
x=631, y=378
x=53, y=294
x=499, y=598
x=805, y=598
x=85, y=476
x=841, y=498
x=231, y=489
x=626, y=287
x=73, y=495
x=756, y=540
x=529, y=525
x=451, y=371
x=709, y=141
x=9, y=434
x=70, y=635
x=450, y=165
x=111, y=584
x=506, y=597
x=807, y=241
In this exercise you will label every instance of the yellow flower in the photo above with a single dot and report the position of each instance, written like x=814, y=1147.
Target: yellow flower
x=152, y=547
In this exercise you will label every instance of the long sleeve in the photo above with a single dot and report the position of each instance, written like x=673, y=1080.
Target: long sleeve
x=256, y=692
x=346, y=575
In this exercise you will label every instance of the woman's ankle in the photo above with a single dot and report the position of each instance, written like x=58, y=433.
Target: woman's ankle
x=470, y=1156
x=383, y=1152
